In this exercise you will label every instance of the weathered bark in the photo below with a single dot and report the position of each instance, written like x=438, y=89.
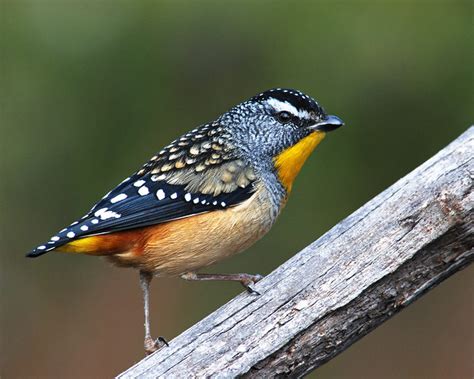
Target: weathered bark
x=368, y=267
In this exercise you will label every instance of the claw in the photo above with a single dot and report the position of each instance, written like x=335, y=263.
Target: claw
x=162, y=340
x=257, y=277
x=249, y=281
x=153, y=345
x=251, y=290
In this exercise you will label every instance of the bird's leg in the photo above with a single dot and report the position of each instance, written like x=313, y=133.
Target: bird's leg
x=247, y=280
x=150, y=344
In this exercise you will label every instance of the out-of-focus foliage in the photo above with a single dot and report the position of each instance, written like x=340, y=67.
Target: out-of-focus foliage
x=90, y=90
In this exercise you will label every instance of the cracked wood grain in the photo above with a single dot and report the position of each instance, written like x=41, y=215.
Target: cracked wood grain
x=365, y=269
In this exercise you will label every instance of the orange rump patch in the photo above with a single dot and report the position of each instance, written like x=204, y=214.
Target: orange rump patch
x=106, y=244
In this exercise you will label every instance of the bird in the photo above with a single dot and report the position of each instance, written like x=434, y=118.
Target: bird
x=209, y=194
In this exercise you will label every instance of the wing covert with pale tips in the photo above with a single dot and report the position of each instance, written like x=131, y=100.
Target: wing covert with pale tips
x=196, y=173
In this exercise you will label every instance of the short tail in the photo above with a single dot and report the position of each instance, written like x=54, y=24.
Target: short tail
x=104, y=244
x=39, y=251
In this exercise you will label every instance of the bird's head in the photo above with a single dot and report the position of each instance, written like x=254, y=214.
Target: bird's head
x=280, y=128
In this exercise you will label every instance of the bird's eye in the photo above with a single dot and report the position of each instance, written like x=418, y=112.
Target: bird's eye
x=284, y=117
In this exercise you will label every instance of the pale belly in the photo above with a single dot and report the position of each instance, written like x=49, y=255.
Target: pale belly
x=191, y=243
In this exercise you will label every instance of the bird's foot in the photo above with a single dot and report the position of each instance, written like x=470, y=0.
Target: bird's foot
x=152, y=345
x=248, y=280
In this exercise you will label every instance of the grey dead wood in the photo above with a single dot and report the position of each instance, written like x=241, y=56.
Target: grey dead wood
x=364, y=270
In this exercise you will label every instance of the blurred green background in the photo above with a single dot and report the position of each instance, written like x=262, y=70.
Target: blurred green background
x=90, y=90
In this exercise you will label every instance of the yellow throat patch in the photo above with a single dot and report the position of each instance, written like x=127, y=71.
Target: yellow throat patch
x=290, y=161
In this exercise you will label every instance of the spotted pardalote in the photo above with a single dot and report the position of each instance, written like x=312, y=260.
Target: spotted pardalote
x=209, y=194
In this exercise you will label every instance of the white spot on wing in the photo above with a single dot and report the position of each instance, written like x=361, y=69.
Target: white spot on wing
x=174, y=195
x=55, y=238
x=196, y=200
x=143, y=191
x=118, y=198
x=155, y=178
x=109, y=214
x=71, y=235
x=84, y=228
x=187, y=197
x=100, y=211
x=42, y=247
x=160, y=194
x=95, y=221
x=139, y=183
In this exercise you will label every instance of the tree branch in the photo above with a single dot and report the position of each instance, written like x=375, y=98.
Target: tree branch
x=368, y=267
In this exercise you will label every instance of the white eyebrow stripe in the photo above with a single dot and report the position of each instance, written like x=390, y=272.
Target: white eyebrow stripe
x=304, y=115
x=281, y=106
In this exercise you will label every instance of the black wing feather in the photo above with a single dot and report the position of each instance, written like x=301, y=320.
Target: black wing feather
x=140, y=210
x=199, y=172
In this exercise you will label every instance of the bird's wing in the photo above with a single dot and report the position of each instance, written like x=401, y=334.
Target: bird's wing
x=195, y=174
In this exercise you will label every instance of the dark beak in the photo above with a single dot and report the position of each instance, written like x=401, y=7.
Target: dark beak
x=328, y=124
